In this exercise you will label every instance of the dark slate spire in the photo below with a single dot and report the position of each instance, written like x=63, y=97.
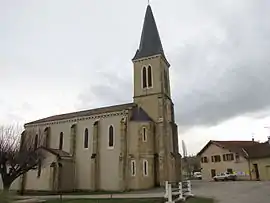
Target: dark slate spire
x=150, y=41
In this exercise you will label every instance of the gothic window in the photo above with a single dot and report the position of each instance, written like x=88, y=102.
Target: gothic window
x=39, y=169
x=86, y=138
x=144, y=77
x=61, y=140
x=133, y=168
x=166, y=84
x=47, y=133
x=36, y=141
x=145, y=167
x=149, y=76
x=111, y=136
x=144, y=134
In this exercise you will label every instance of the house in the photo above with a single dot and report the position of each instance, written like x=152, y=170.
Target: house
x=249, y=159
x=115, y=148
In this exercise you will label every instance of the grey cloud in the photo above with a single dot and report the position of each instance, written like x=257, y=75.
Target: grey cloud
x=225, y=79
x=215, y=77
x=110, y=89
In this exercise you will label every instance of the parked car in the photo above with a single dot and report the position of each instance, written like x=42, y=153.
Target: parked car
x=197, y=175
x=225, y=176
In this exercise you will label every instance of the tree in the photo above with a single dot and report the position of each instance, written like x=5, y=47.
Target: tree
x=19, y=153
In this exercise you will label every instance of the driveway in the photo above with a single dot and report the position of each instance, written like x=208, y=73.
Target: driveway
x=234, y=191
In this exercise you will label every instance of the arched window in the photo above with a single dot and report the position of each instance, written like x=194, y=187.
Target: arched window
x=166, y=84
x=86, y=143
x=145, y=167
x=149, y=76
x=39, y=169
x=111, y=137
x=61, y=140
x=144, y=77
x=133, y=167
x=36, y=141
x=47, y=138
x=144, y=134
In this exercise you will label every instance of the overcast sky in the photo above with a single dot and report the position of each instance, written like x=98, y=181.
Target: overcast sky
x=58, y=56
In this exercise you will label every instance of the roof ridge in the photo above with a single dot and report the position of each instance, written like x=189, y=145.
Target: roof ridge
x=81, y=113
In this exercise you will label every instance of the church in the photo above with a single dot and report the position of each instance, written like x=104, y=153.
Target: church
x=123, y=147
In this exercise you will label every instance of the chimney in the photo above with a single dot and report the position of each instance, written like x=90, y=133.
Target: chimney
x=253, y=139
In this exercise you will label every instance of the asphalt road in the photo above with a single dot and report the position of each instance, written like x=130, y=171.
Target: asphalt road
x=234, y=191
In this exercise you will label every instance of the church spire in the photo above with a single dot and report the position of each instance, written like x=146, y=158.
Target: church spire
x=150, y=41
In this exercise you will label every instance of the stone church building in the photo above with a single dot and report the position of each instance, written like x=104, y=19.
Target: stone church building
x=115, y=148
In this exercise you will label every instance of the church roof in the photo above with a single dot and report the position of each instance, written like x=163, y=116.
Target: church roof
x=57, y=152
x=138, y=114
x=83, y=113
x=150, y=41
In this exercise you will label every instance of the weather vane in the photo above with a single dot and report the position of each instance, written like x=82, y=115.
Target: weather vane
x=148, y=2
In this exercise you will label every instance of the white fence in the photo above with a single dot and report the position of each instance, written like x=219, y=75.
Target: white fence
x=177, y=192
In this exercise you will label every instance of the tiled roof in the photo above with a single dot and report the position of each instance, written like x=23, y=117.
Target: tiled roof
x=252, y=148
x=138, y=114
x=150, y=43
x=84, y=113
x=57, y=152
x=259, y=151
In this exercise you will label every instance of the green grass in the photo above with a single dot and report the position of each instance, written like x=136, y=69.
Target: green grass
x=44, y=193
x=157, y=200
x=108, y=201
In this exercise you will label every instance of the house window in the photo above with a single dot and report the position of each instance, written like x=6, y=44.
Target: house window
x=145, y=167
x=133, y=168
x=144, y=134
x=216, y=158
x=228, y=157
x=204, y=159
x=144, y=77
x=149, y=76
x=61, y=140
x=36, y=141
x=111, y=136
x=86, y=142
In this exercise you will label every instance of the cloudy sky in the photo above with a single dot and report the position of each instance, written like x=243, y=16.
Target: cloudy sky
x=58, y=56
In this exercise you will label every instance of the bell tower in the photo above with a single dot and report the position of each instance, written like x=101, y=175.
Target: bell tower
x=152, y=92
x=151, y=68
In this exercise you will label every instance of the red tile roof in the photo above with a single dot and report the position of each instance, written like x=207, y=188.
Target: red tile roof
x=261, y=150
x=252, y=148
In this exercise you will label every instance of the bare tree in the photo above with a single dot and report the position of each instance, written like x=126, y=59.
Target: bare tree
x=19, y=153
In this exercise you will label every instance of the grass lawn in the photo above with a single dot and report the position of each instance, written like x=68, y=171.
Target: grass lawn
x=108, y=201
x=191, y=200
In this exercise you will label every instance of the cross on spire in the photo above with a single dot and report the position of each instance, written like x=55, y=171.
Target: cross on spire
x=148, y=2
